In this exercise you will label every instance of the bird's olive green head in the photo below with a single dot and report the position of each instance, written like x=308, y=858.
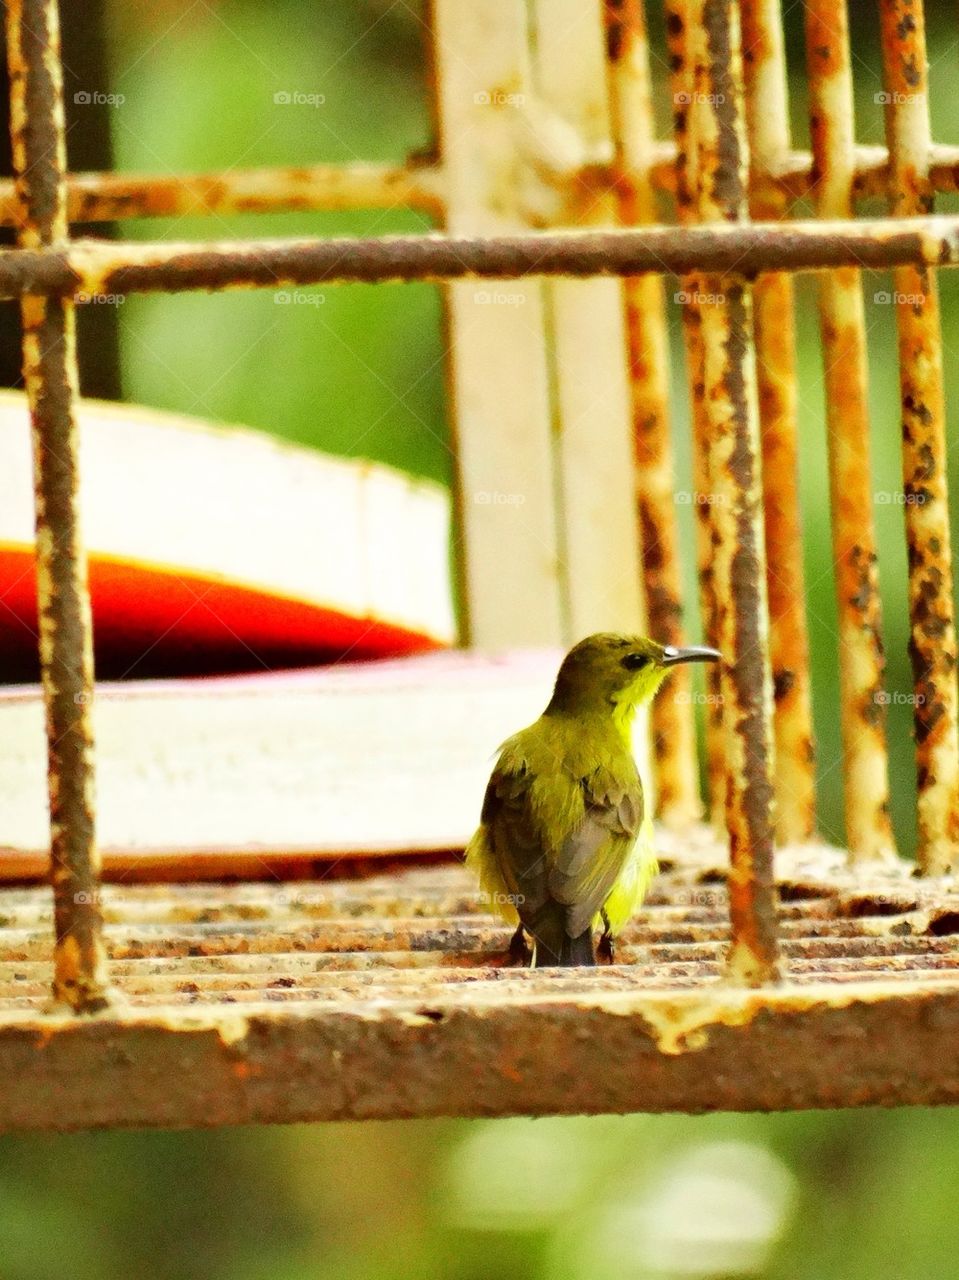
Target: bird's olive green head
x=616, y=672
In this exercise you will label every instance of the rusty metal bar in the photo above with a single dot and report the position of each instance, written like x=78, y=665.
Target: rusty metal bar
x=66, y=649
x=111, y=197
x=94, y=267
x=720, y=166
x=932, y=645
x=491, y=1052
x=672, y=722
x=767, y=119
x=861, y=659
x=681, y=87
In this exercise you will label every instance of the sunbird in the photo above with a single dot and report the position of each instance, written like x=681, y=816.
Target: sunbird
x=565, y=842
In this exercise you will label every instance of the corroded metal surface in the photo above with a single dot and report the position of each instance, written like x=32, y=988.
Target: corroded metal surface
x=767, y=120
x=719, y=167
x=96, y=267
x=671, y=719
x=109, y=197
x=932, y=646
x=394, y=996
x=66, y=652
x=861, y=658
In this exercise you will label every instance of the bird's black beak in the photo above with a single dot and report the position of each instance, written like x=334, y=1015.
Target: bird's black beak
x=672, y=656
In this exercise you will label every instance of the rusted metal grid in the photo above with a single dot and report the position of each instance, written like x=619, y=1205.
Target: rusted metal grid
x=267, y=1003
x=388, y=997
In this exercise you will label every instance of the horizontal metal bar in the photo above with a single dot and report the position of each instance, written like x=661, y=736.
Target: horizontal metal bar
x=111, y=197
x=547, y=1045
x=94, y=268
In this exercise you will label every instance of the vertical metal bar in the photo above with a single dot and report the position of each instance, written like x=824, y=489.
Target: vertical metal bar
x=932, y=645
x=681, y=88
x=861, y=660
x=66, y=652
x=674, y=743
x=720, y=162
x=767, y=120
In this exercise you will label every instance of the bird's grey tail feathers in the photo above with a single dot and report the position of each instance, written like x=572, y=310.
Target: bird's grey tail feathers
x=554, y=946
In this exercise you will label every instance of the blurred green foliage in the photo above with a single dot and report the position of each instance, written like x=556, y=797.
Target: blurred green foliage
x=863, y=1196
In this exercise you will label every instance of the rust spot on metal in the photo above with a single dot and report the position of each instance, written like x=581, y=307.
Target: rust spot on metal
x=617, y=34
x=727, y=161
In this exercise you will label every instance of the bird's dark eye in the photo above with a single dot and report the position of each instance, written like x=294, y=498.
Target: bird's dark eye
x=635, y=661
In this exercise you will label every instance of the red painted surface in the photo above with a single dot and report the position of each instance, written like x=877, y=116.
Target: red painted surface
x=150, y=620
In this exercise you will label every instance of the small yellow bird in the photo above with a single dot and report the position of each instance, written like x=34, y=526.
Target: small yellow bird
x=564, y=841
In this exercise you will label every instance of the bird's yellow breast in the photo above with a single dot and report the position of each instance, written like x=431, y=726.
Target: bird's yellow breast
x=627, y=894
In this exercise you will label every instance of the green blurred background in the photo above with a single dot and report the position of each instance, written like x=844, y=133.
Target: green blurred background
x=864, y=1194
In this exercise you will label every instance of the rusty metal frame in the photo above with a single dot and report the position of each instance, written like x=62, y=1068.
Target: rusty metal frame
x=752, y=1010
x=319, y=1002
x=111, y=197
x=746, y=249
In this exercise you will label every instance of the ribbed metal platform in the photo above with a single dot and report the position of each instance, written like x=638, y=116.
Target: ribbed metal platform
x=394, y=995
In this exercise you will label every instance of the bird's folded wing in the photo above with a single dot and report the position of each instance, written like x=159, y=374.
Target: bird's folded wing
x=515, y=839
x=581, y=871
x=591, y=858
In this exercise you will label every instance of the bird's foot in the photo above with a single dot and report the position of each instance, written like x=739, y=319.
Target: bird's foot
x=519, y=950
x=606, y=947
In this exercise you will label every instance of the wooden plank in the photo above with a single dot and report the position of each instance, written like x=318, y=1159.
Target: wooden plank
x=509, y=541
x=595, y=460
